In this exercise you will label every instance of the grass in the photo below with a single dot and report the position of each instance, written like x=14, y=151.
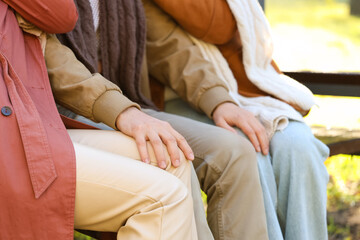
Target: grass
x=79, y=236
x=335, y=230
x=344, y=185
x=343, y=194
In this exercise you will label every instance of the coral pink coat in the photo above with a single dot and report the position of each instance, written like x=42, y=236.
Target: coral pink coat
x=37, y=161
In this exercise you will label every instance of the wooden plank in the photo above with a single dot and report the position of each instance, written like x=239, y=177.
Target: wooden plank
x=339, y=140
x=99, y=235
x=351, y=147
x=326, y=78
x=355, y=7
x=337, y=84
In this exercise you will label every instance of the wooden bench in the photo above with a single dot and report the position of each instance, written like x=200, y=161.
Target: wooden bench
x=335, y=84
x=99, y=235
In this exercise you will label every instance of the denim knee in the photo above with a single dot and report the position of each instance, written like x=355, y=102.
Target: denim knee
x=297, y=148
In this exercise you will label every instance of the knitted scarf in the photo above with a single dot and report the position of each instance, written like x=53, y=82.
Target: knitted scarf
x=122, y=43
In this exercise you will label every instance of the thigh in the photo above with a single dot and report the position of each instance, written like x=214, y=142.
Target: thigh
x=111, y=188
x=181, y=108
x=211, y=145
x=297, y=140
x=121, y=144
x=109, y=141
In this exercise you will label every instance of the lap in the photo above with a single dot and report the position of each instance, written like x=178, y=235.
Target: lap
x=117, y=143
x=208, y=141
x=297, y=142
x=106, y=181
x=295, y=139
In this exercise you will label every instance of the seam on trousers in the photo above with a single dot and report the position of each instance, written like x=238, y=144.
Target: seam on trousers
x=202, y=157
x=161, y=221
x=112, y=187
x=220, y=222
x=221, y=195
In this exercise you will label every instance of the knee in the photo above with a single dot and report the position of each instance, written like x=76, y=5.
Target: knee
x=298, y=140
x=237, y=149
x=232, y=153
x=176, y=194
x=184, y=163
x=305, y=153
x=182, y=172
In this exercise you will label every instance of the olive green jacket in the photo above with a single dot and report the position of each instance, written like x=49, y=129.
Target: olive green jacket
x=74, y=87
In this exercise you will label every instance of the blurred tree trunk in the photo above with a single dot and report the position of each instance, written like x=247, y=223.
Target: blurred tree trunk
x=355, y=7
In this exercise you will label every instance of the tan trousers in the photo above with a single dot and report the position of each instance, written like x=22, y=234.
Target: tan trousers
x=226, y=167
x=136, y=200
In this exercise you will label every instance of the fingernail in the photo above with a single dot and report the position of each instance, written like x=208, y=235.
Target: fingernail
x=177, y=162
x=147, y=160
x=163, y=165
x=191, y=156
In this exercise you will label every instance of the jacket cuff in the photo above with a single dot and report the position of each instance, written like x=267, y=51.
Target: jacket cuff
x=109, y=105
x=213, y=98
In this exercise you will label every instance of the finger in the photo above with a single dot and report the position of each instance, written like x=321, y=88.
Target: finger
x=172, y=148
x=157, y=145
x=263, y=139
x=223, y=124
x=142, y=148
x=185, y=148
x=250, y=133
x=183, y=145
x=264, y=145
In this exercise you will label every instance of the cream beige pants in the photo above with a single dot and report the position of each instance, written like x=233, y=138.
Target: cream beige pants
x=116, y=193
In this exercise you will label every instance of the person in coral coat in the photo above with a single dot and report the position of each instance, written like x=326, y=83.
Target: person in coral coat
x=54, y=179
x=37, y=172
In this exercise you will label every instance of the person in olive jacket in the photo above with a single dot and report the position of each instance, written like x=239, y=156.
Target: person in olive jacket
x=111, y=41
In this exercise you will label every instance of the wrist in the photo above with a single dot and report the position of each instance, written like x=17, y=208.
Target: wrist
x=123, y=114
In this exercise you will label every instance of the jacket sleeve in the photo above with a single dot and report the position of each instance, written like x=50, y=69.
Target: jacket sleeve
x=74, y=87
x=208, y=20
x=175, y=61
x=52, y=16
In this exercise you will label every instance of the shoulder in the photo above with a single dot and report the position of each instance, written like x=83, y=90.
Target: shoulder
x=52, y=16
x=209, y=20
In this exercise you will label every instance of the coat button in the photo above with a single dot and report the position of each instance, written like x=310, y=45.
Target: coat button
x=6, y=111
